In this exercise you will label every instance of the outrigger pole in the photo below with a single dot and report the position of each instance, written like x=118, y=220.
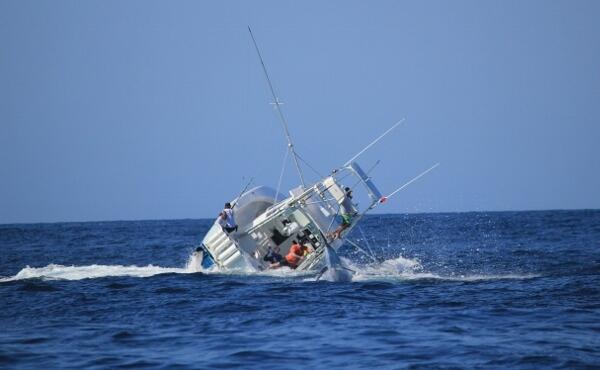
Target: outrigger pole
x=374, y=142
x=277, y=104
x=385, y=198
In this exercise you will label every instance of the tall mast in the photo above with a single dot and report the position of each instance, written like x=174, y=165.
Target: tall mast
x=277, y=104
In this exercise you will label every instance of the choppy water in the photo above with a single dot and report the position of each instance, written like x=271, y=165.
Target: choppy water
x=498, y=290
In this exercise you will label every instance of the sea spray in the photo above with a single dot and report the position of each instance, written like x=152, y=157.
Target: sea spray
x=194, y=262
x=401, y=268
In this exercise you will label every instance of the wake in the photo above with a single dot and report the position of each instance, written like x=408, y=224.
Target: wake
x=60, y=272
x=395, y=269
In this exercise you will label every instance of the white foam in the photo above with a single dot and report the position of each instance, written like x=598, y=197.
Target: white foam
x=411, y=269
x=60, y=272
x=395, y=269
x=194, y=263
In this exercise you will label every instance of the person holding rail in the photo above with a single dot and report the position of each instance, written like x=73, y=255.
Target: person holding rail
x=227, y=219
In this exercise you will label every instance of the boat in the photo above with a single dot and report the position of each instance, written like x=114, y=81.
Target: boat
x=308, y=215
x=319, y=216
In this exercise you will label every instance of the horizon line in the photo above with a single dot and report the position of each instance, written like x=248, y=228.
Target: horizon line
x=373, y=214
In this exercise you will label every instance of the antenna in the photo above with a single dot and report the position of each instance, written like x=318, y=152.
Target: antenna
x=278, y=104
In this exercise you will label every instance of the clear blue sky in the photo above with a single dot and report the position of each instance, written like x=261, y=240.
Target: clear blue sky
x=154, y=110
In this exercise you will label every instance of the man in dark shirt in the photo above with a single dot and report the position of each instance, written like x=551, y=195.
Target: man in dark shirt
x=273, y=256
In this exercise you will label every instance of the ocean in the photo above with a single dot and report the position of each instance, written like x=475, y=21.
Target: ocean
x=451, y=290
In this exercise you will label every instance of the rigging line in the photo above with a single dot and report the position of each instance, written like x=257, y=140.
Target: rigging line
x=367, y=173
x=332, y=220
x=309, y=166
x=374, y=141
x=381, y=259
x=355, y=245
x=278, y=107
x=367, y=241
x=287, y=152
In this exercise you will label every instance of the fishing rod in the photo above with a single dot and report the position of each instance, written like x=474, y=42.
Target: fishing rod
x=277, y=104
x=242, y=192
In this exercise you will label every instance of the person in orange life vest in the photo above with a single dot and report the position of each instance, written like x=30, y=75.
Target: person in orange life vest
x=296, y=254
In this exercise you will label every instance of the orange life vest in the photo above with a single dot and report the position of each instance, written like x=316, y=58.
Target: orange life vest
x=294, y=255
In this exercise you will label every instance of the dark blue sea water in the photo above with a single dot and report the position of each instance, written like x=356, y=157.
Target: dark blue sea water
x=471, y=290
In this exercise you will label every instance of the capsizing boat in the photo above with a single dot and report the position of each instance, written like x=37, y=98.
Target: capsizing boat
x=319, y=215
x=308, y=215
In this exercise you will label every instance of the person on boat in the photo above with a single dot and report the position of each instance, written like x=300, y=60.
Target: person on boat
x=276, y=259
x=283, y=262
x=227, y=219
x=306, y=249
x=296, y=254
x=273, y=256
x=347, y=211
